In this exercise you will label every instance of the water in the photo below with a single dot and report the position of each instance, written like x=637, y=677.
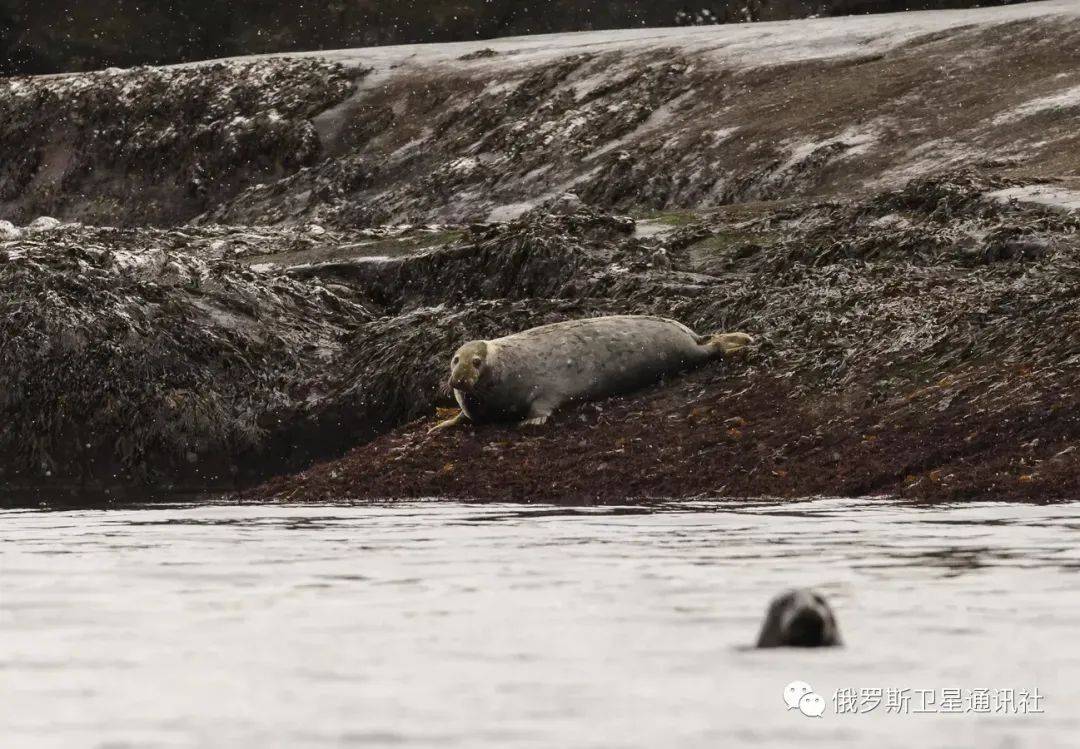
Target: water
x=432, y=624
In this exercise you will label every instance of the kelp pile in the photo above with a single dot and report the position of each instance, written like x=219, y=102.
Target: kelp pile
x=135, y=358
x=158, y=145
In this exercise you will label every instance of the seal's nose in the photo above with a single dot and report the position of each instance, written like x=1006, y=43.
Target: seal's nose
x=461, y=382
x=807, y=629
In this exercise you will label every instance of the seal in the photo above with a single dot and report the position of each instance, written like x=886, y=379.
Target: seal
x=527, y=376
x=799, y=618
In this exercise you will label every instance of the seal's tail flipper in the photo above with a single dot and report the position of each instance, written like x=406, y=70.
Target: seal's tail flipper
x=723, y=344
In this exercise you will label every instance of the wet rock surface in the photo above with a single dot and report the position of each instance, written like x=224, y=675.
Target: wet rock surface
x=329, y=235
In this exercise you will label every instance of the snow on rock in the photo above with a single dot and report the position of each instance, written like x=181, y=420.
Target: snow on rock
x=1051, y=195
x=503, y=213
x=42, y=224
x=741, y=45
x=1065, y=100
x=853, y=141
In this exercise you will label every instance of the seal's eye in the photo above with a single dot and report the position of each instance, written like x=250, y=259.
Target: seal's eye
x=455, y=360
x=476, y=361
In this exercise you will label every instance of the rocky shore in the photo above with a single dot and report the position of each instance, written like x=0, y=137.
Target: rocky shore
x=258, y=270
x=921, y=343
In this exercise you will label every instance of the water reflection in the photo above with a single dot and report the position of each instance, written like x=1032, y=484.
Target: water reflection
x=442, y=624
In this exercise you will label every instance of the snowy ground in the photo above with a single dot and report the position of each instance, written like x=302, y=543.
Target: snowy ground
x=743, y=45
x=1054, y=196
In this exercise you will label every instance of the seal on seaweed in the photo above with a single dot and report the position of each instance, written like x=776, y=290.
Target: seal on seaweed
x=527, y=376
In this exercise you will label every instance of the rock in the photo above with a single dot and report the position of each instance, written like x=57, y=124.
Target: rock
x=42, y=224
x=479, y=54
x=661, y=260
x=1007, y=245
x=230, y=352
x=1028, y=248
x=286, y=314
x=160, y=145
x=566, y=204
x=8, y=231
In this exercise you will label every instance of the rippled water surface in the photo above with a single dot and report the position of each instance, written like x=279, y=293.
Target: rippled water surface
x=497, y=626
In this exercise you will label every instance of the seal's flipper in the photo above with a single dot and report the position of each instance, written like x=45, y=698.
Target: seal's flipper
x=453, y=421
x=539, y=413
x=726, y=343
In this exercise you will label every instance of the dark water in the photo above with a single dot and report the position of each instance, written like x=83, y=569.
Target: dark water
x=432, y=624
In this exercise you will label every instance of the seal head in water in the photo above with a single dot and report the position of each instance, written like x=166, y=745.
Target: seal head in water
x=799, y=618
x=527, y=376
